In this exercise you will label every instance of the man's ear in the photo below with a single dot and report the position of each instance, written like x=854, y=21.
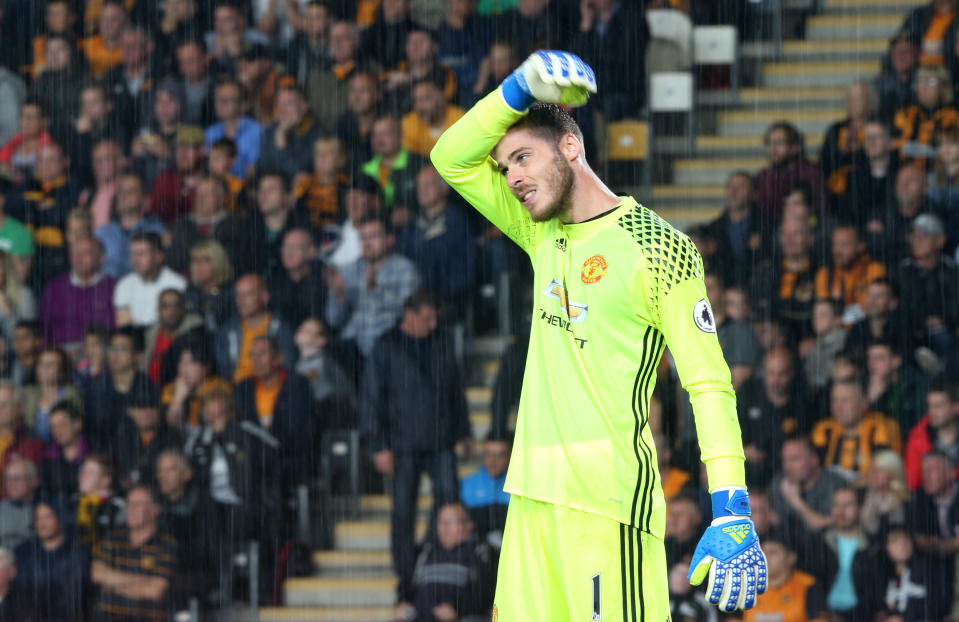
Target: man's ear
x=570, y=147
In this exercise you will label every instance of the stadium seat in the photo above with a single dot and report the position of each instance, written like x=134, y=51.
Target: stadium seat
x=717, y=45
x=674, y=26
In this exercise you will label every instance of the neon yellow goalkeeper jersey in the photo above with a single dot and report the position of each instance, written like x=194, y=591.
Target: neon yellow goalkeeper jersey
x=610, y=295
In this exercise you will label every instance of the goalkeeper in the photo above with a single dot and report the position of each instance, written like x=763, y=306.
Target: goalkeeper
x=614, y=285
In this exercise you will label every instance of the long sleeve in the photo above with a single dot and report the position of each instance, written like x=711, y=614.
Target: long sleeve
x=373, y=401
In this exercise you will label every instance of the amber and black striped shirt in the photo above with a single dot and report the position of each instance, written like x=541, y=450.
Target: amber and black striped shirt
x=157, y=557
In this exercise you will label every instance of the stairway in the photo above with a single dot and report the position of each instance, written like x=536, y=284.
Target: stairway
x=804, y=85
x=354, y=582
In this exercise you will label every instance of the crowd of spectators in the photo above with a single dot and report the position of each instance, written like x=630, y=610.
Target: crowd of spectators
x=221, y=239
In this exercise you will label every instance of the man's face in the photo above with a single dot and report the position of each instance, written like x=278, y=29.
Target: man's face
x=58, y=16
x=374, y=241
x=538, y=175
x=166, y=107
x=190, y=370
x=25, y=343
x=903, y=56
x=133, y=47
x=215, y=414
x=113, y=19
x=207, y=202
x=452, y=526
x=85, y=258
x=92, y=479
x=171, y=310
x=63, y=429
x=419, y=47
x=857, y=101
x=140, y=510
x=290, y=107
x=910, y=185
x=495, y=457
x=431, y=190
x=146, y=417
x=928, y=91
x=683, y=520
x=192, y=62
x=878, y=300
x=92, y=104
x=316, y=20
x=271, y=196
x=121, y=357
x=428, y=102
x=297, y=250
x=18, y=483
x=501, y=61
x=385, y=137
x=172, y=474
x=738, y=189
x=342, y=42
x=51, y=163
x=106, y=162
x=144, y=258
x=129, y=196
x=777, y=374
x=421, y=322
x=45, y=520
x=875, y=141
x=937, y=476
x=250, y=297
x=265, y=361
x=58, y=54
x=9, y=409
x=395, y=10
x=845, y=246
x=948, y=151
x=778, y=148
x=941, y=410
x=362, y=94
x=359, y=204
x=326, y=158
x=226, y=103
x=845, y=509
x=846, y=404
x=881, y=361
x=794, y=238
x=188, y=158
x=779, y=561
x=226, y=21
x=797, y=463
x=925, y=245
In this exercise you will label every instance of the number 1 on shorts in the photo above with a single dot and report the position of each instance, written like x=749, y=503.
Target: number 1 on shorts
x=597, y=608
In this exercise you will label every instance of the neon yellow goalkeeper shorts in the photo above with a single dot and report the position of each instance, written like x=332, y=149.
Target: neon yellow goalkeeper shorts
x=558, y=564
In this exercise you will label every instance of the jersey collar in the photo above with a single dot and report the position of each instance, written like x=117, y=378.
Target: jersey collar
x=589, y=228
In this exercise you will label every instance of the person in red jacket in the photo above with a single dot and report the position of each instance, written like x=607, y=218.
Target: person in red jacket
x=938, y=430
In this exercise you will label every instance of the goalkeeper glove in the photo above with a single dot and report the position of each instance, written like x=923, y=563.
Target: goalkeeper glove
x=551, y=76
x=729, y=553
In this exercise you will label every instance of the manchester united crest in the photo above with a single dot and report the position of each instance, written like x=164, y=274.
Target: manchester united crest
x=594, y=269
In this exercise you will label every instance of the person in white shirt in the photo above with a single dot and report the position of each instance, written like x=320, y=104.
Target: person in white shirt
x=135, y=297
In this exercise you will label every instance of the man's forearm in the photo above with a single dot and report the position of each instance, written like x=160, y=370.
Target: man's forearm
x=143, y=588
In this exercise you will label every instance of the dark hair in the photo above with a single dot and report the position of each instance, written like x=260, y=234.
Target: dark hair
x=835, y=306
x=804, y=189
x=267, y=173
x=421, y=298
x=104, y=461
x=793, y=137
x=101, y=332
x=893, y=287
x=151, y=238
x=951, y=389
x=174, y=291
x=225, y=144
x=855, y=381
x=199, y=348
x=271, y=343
x=132, y=333
x=200, y=43
x=68, y=408
x=31, y=325
x=64, y=366
x=549, y=122
x=881, y=342
x=387, y=225
x=499, y=436
x=150, y=490
x=857, y=494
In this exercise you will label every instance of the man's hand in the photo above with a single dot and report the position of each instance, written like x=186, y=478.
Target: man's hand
x=729, y=554
x=383, y=462
x=551, y=76
x=445, y=613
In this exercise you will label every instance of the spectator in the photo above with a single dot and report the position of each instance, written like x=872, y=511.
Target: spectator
x=412, y=413
x=882, y=320
x=287, y=145
x=938, y=431
x=12, y=94
x=130, y=81
x=297, y=289
x=791, y=595
x=365, y=296
x=127, y=221
x=499, y=61
x=333, y=390
x=260, y=81
x=182, y=397
x=95, y=121
x=844, y=138
x=15, y=239
x=933, y=515
x=17, y=443
x=482, y=492
x=784, y=289
x=18, y=156
x=362, y=201
x=16, y=299
x=232, y=123
x=280, y=402
x=385, y=40
x=42, y=205
x=870, y=190
x=830, y=339
x=193, y=66
x=20, y=482
x=392, y=167
x=75, y=300
x=890, y=389
x=208, y=221
x=684, y=526
x=770, y=408
x=222, y=156
x=166, y=338
x=914, y=590
x=106, y=401
x=94, y=355
x=53, y=569
x=439, y=242
x=915, y=127
x=736, y=336
x=140, y=438
x=327, y=84
x=685, y=601
x=66, y=451
x=95, y=510
x=462, y=40
x=355, y=125
x=136, y=295
x=802, y=492
x=322, y=191
x=884, y=504
x=930, y=282
x=787, y=166
x=849, y=272
x=134, y=568
x=430, y=117
x=231, y=36
x=26, y=348
x=103, y=51
x=419, y=64
x=454, y=575
x=852, y=434
x=257, y=246
x=943, y=184
x=59, y=81
x=155, y=144
x=98, y=196
x=894, y=86
x=535, y=25
x=235, y=339
x=929, y=23
x=54, y=385
x=611, y=30
x=737, y=231
x=210, y=292
x=309, y=46
x=173, y=191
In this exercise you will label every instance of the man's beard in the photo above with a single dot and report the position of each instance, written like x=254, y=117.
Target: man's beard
x=562, y=180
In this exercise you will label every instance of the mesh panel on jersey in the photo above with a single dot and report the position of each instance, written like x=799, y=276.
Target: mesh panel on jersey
x=671, y=257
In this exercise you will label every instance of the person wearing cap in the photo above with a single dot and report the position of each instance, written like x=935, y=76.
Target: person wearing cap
x=53, y=568
x=172, y=195
x=141, y=439
x=929, y=283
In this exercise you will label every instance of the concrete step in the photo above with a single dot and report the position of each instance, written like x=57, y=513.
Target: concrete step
x=673, y=196
x=742, y=146
x=818, y=74
x=368, y=535
x=479, y=397
x=378, y=506
x=791, y=97
x=855, y=25
x=685, y=217
x=481, y=421
x=831, y=49
x=340, y=592
x=756, y=122
x=711, y=171
x=860, y=7
x=326, y=614
x=378, y=564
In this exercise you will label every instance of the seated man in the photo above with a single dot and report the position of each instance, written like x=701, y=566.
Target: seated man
x=297, y=288
x=430, y=117
x=141, y=438
x=133, y=568
x=129, y=219
x=135, y=297
x=75, y=300
x=482, y=492
x=850, y=272
x=20, y=483
x=64, y=455
x=167, y=337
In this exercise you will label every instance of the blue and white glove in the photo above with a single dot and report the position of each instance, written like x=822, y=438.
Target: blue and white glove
x=551, y=76
x=729, y=554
